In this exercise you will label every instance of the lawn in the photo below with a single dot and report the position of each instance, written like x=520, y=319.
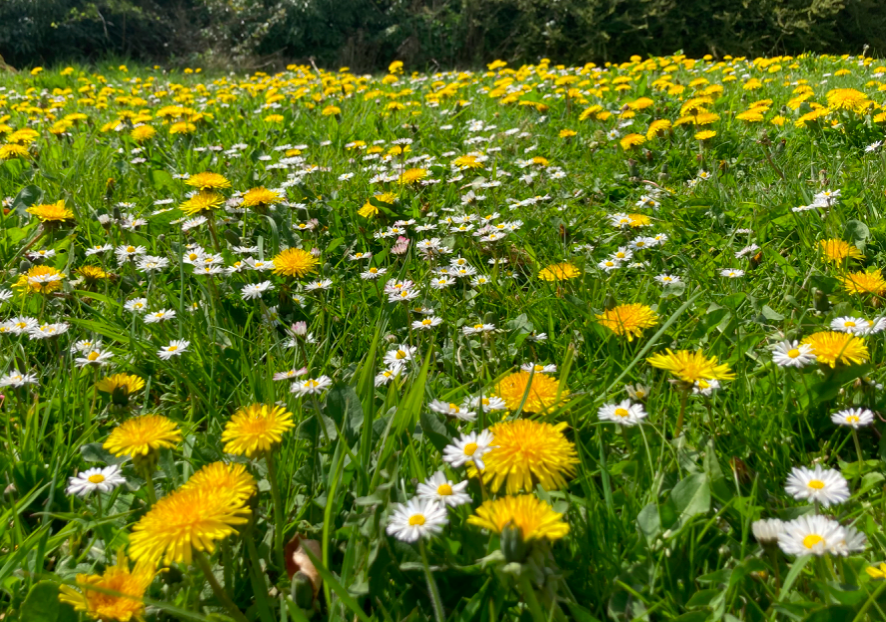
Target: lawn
x=533, y=343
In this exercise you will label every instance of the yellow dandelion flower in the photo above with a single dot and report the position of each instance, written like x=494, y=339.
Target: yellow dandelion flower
x=539, y=390
x=295, y=262
x=559, y=272
x=831, y=347
x=182, y=127
x=208, y=181
x=187, y=519
x=261, y=196
x=203, y=201
x=657, y=128
x=876, y=573
x=535, y=518
x=836, y=251
x=467, y=161
x=691, y=366
x=222, y=478
x=256, y=429
x=52, y=212
x=640, y=220
x=42, y=279
x=413, y=175
x=629, y=319
x=567, y=133
x=632, y=140
x=330, y=111
x=10, y=152
x=127, y=383
x=24, y=136
x=275, y=118
x=870, y=282
x=705, y=135
x=143, y=435
x=847, y=99
x=142, y=133
x=123, y=589
x=526, y=453
x=92, y=273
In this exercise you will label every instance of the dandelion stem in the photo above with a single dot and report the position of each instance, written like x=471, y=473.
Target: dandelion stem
x=679, y=427
x=206, y=569
x=149, y=487
x=858, y=451
x=529, y=595
x=432, y=584
x=278, y=510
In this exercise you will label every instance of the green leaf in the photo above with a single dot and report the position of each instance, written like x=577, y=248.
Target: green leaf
x=691, y=496
x=832, y=613
x=42, y=604
x=771, y=314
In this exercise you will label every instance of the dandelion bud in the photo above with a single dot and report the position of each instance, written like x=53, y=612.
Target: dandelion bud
x=512, y=544
x=24, y=266
x=820, y=301
x=302, y=591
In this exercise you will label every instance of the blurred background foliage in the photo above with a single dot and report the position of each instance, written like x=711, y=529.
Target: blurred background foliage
x=368, y=34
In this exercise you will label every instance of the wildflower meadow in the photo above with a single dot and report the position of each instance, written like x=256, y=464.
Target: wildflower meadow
x=535, y=343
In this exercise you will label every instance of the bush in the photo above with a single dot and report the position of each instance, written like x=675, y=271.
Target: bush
x=368, y=34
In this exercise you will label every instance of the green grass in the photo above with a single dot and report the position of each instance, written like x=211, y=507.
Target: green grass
x=659, y=526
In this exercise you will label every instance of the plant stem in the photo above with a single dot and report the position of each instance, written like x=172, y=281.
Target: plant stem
x=149, y=486
x=529, y=595
x=679, y=427
x=858, y=451
x=278, y=511
x=432, y=584
x=206, y=569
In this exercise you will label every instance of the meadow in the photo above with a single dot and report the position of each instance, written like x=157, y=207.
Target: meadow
x=535, y=343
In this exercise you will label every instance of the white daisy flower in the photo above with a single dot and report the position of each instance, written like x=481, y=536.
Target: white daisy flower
x=418, y=518
x=443, y=491
x=94, y=357
x=427, y=323
x=250, y=292
x=136, y=305
x=17, y=379
x=96, y=479
x=399, y=356
x=175, y=348
x=825, y=486
x=311, y=386
x=792, y=354
x=159, y=316
x=811, y=535
x=623, y=413
x=853, y=417
x=451, y=409
x=538, y=368
x=767, y=530
x=732, y=274
x=469, y=447
x=852, y=325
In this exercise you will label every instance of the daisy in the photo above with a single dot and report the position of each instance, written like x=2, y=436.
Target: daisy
x=418, y=518
x=21, y=325
x=250, y=292
x=159, y=316
x=732, y=274
x=811, y=535
x=668, y=279
x=766, y=531
x=176, y=347
x=624, y=413
x=468, y=448
x=452, y=410
x=853, y=325
x=491, y=403
x=311, y=386
x=136, y=305
x=426, y=323
x=5, y=294
x=17, y=379
x=539, y=368
x=853, y=417
x=96, y=479
x=400, y=355
x=289, y=375
x=792, y=354
x=477, y=329
x=94, y=357
x=825, y=486
x=46, y=331
x=438, y=488
x=607, y=265
x=386, y=375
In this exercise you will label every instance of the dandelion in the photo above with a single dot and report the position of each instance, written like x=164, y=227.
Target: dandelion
x=141, y=436
x=835, y=251
x=527, y=452
x=41, y=279
x=295, y=262
x=629, y=320
x=256, y=429
x=208, y=181
x=559, y=272
x=53, y=213
x=535, y=392
x=691, y=366
x=870, y=282
x=115, y=595
x=832, y=347
x=534, y=518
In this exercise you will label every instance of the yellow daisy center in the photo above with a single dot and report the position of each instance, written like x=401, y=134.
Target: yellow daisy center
x=172, y=348
x=478, y=326
x=98, y=478
x=811, y=540
x=426, y=322
x=401, y=354
x=793, y=353
x=444, y=490
x=416, y=520
x=470, y=449
x=852, y=419
x=850, y=324
x=817, y=484
x=621, y=412
x=92, y=355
